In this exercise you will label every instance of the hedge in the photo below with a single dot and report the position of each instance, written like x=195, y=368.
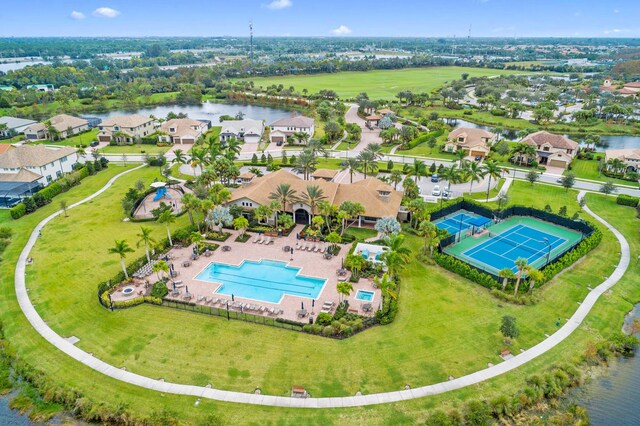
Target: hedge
x=465, y=270
x=18, y=211
x=627, y=200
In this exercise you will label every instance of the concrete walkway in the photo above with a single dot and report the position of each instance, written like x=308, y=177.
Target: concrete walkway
x=503, y=190
x=281, y=401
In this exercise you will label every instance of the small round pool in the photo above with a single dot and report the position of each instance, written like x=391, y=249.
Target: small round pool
x=128, y=291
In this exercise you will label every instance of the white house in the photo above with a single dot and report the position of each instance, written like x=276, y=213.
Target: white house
x=247, y=130
x=14, y=126
x=125, y=129
x=40, y=163
x=630, y=157
x=65, y=125
x=282, y=129
x=182, y=130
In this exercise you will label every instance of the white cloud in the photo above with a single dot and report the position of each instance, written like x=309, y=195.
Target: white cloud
x=341, y=30
x=106, y=12
x=77, y=15
x=280, y=4
x=616, y=31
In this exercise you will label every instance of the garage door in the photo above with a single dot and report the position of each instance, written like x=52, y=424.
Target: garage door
x=104, y=138
x=277, y=139
x=557, y=163
x=474, y=153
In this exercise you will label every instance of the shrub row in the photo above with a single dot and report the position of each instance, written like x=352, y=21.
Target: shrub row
x=465, y=270
x=627, y=200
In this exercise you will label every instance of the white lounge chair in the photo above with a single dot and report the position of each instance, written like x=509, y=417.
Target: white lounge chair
x=255, y=240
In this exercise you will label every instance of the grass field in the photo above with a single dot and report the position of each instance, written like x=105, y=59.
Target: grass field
x=588, y=169
x=379, y=84
x=134, y=149
x=445, y=326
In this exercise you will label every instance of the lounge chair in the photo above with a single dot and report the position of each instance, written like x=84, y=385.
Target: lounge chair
x=255, y=240
x=267, y=241
x=261, y=240
x=323, y=249
x=297, y=245
x=271, y=240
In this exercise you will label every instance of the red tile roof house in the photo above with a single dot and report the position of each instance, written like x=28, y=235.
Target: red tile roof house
x=66, y=125
x=184, y=131
x=553, y=150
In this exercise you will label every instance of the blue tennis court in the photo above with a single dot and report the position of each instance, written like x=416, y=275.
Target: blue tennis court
x=461, y=221
x=501, y=251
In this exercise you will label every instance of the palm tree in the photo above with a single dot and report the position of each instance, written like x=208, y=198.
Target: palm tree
x=395, y=178
x=535, y=276
x=352, y=165
x=146, y=240
x=189, y=203
x=506, y=274
x=233, y=148
x=417, y=169
x=521, y=264
x=284, y=195
x=460, y=155
x=492, y=170
x=306, y=163
x=180, y=158
x=121, y=248
x=312, y=196
x=367, y=162
x=160, y=266
x=475, y=173
x=198, y=159
x=375, y=149
x=429, y=232
x=344, y=289
x=451, y=174
x=387, y=287
x=167, y=218
x=395, y=242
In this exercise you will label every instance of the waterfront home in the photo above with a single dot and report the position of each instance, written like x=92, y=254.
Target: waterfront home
x=247, y=130
x=63, y=125
x=13, y=126
x=125, y=129
x=184, y=131
x=476, y=142
x=283, y=129
x=552, y=150
x=629, y=157
x=378, y=198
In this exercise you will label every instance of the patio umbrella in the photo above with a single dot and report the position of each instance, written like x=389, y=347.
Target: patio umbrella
x=157, y=184
x=232, y=298
x=174, y=285
x=313, y=303
x=301, y=305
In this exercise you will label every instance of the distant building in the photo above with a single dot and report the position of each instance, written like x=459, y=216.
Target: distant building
x=93, y=121
x=552, y=150
x=125, y=129
x=26, y=169
x=66, y=125
x=283, y=129
x=184, y=131
x=630, y=158
x=14, y=126
x=41, y=87
x=627, y=89
x=247, y=130
x=7, y=88
x=476, y=142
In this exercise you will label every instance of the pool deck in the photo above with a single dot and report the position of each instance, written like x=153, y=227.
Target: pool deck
x=311, y=264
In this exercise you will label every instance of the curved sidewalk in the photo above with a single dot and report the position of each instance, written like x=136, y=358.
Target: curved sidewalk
x=280, y=401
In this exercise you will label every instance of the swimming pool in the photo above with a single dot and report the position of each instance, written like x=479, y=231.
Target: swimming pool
x=365, y=295
x=265, y=280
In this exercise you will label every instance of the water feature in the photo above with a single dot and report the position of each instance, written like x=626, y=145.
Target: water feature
x=613, y=142
x=13, y=66
x=206, y=111
x=9, y=417
x=612, y=398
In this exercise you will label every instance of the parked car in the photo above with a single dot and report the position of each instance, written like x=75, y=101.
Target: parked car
x=94, y=144
x=279, y=143
x=436, y=191
x=446, y=194
x=435, y=178
x=559, y=180
x=478, y=158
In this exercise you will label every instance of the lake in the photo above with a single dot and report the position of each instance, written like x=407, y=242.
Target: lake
x=206, y=111
x=12, y=66
x=9, y=417
x=613, y=142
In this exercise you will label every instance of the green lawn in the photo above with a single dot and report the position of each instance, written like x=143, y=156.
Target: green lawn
x=539, y=195
x=445, y=326
x=361, y=234
x=134, y=149
x=379, y=84
x=82, y=139
x=588, y=169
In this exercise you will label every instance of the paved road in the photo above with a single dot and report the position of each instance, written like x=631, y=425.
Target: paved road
x=279, y=401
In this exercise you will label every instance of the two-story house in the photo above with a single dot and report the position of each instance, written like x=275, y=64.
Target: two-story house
x=247, y=130
x=476, y=142
x=63, y=125
x=552, y=150
x=283, y=129
x=28, y=168
x=630, y=158
x=125, y=129
x=13, y=126
x=184, y=131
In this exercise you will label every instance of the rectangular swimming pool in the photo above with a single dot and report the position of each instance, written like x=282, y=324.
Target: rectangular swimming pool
x=365, y=295
x=265, y=280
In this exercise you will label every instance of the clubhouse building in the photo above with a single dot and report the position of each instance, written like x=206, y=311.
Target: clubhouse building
x=378, y=198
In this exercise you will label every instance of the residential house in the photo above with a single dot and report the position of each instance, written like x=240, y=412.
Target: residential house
x=28, y=168
x=324, y=174
x=184, y=131
x=627, y=89
x=283, y=129
x=552, y=150
x=378, y=198
x=13, y=126
x=476, y=142
x=247, y=130
x=630, y=157
x=245, y=178
x=41, y=87
x=125, y=129
x=65, y=125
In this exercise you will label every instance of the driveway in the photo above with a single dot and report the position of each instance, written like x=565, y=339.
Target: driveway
x=368, y=135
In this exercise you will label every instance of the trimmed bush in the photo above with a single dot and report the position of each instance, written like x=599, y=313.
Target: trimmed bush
x=627, y=200
x=18, y=211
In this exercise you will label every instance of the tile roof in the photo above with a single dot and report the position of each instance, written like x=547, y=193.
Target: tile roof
x=364, y=192
x=324, y=173
x=297, y=121
x=4, y=147
x=473, y=137
x=184, y=127
x=13, y=122
x=556, y=141
x=33, y=156
x=62, y=122
x=623, y=154
x=633, y=84
x=23, y=175
x=133, y=120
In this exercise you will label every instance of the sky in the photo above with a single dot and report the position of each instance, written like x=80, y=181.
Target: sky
x=345, y=18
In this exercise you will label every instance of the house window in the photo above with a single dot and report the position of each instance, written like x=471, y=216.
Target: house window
x=460, y=139
x=63, y=159
x=546, y=148
x=569, y=151
x=58, y=174
x=172, y=129
x=49, y=179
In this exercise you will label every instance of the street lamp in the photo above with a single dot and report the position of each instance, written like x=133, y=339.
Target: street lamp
x=546, y=240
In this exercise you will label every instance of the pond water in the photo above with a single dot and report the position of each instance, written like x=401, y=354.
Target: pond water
x=206, y=111
x=613, y=142
x=9, y=417
x=612, y=398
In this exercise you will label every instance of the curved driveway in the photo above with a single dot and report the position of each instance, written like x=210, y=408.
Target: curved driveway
x=349, y=401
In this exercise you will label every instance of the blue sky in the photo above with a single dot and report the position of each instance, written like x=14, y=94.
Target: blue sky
x=426, y=18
